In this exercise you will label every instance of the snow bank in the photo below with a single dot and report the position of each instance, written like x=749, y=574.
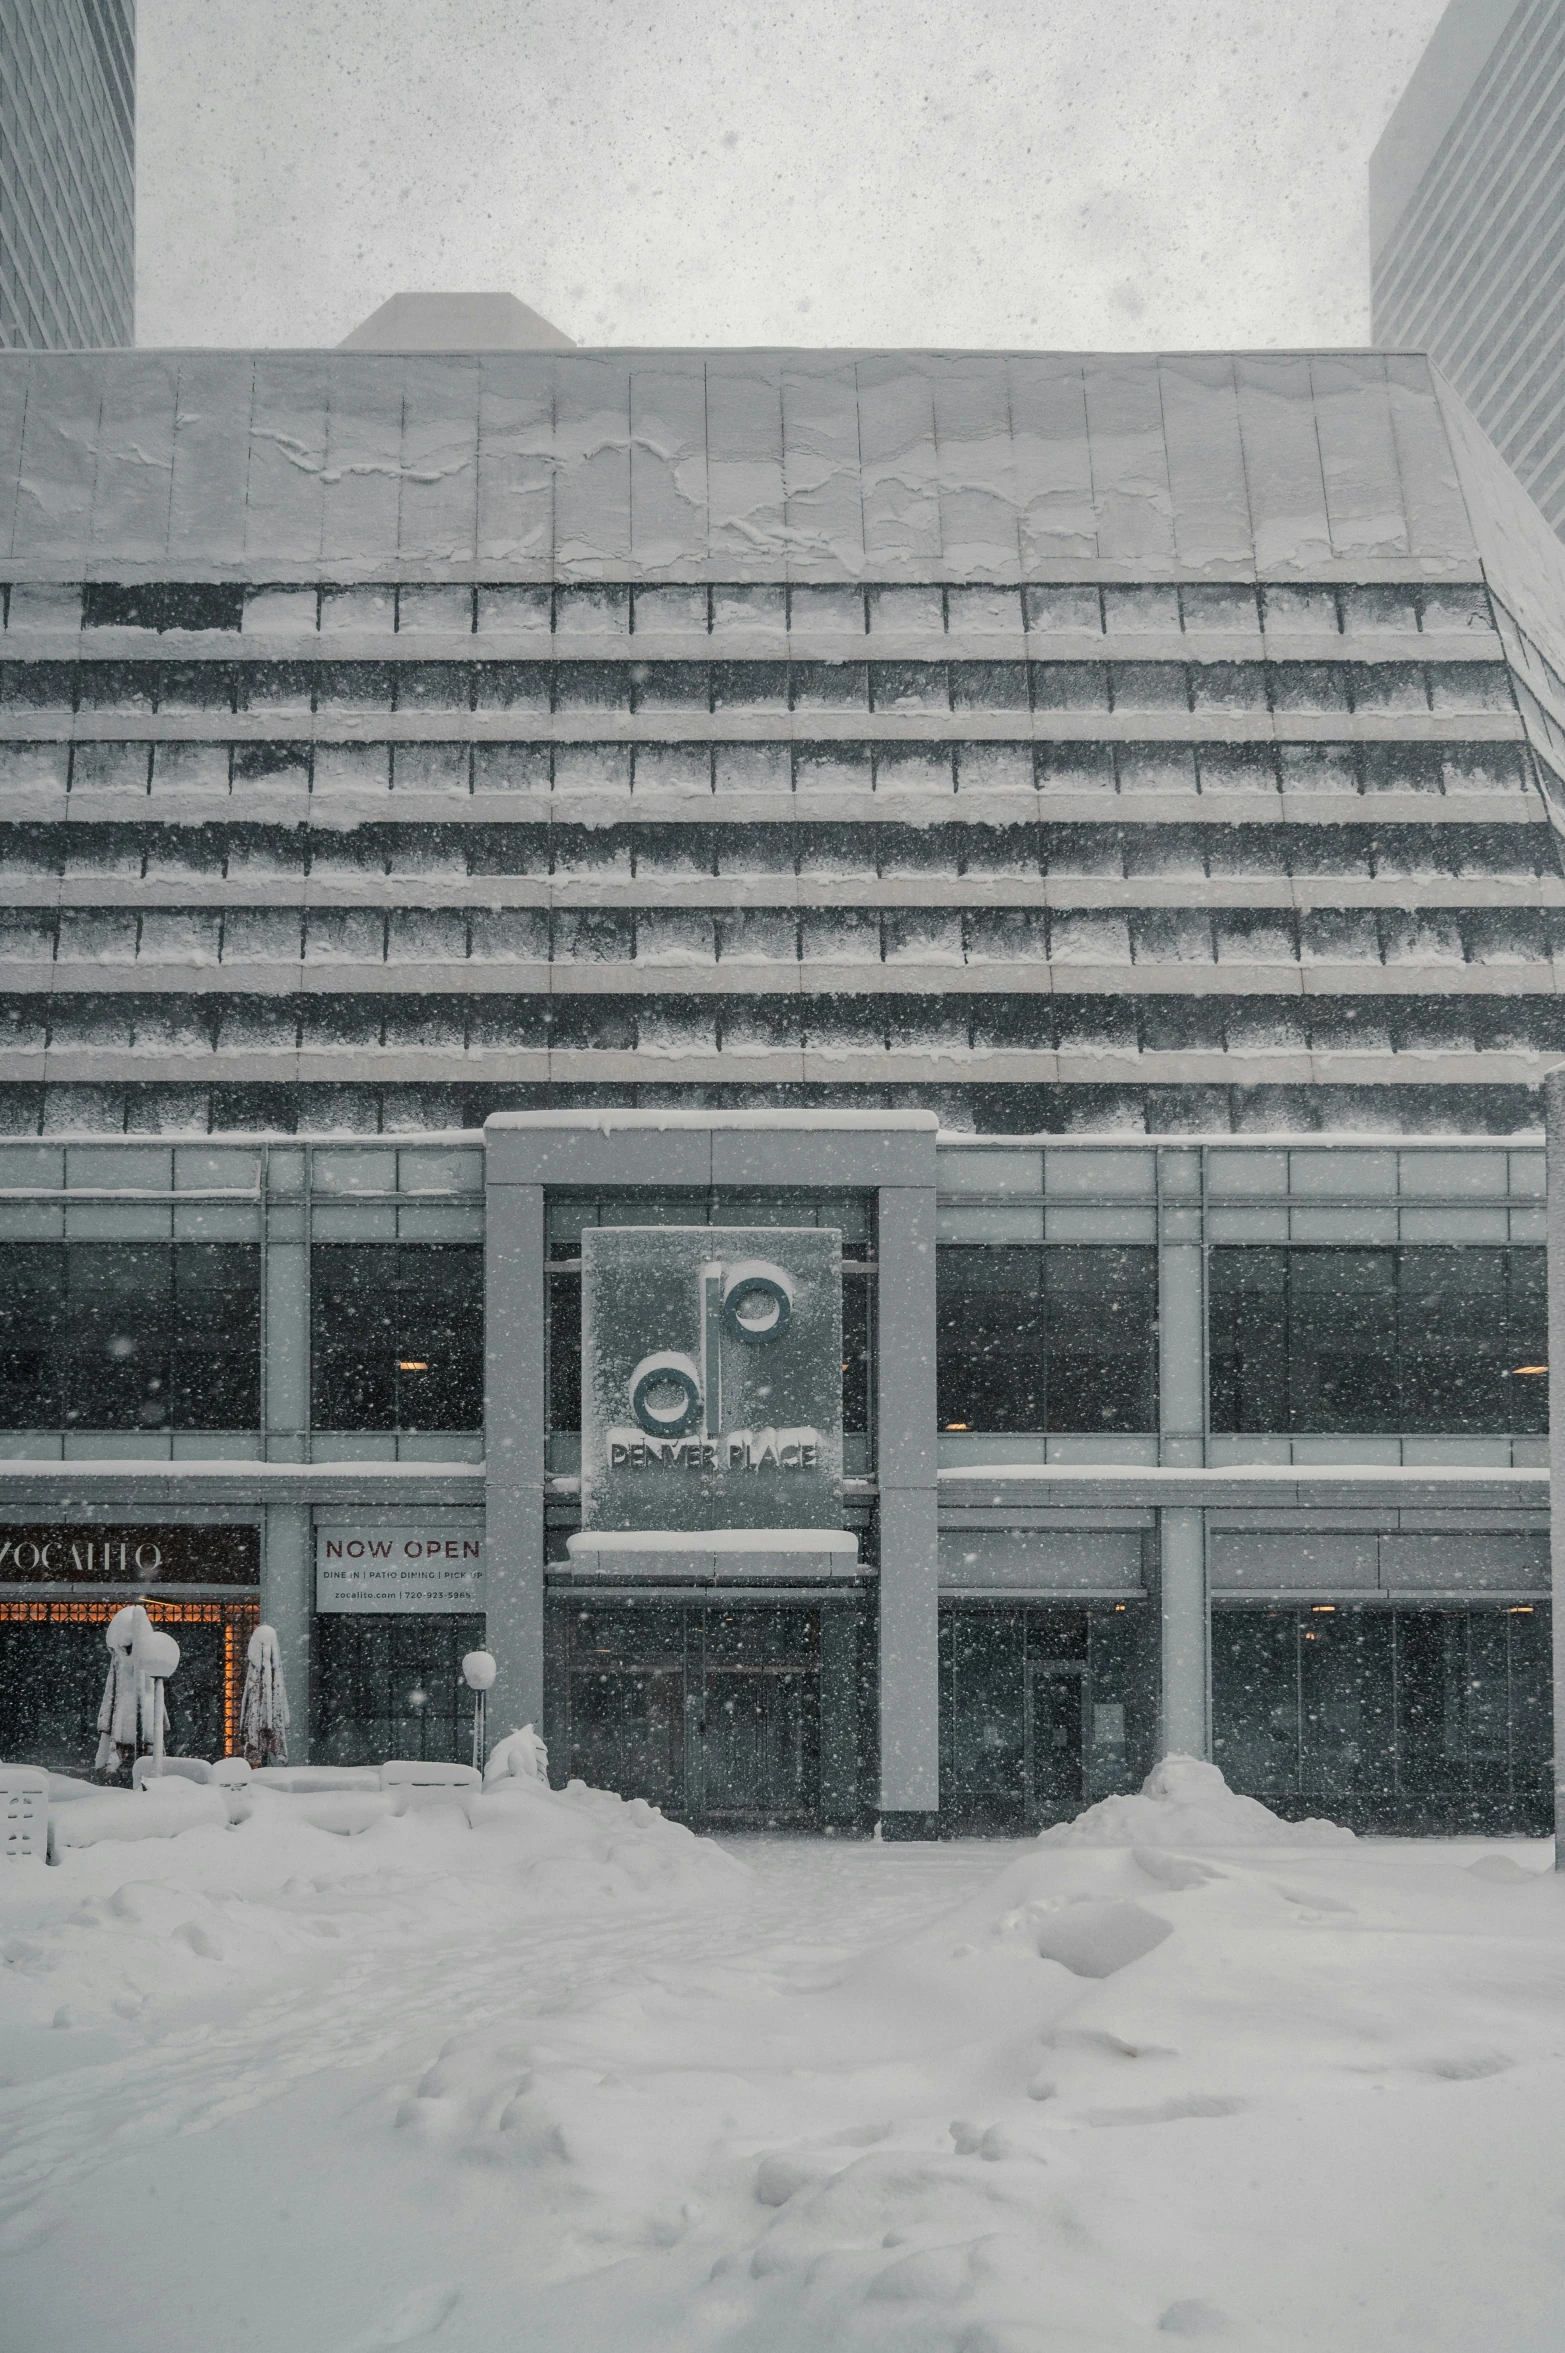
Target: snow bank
x=164, y=1811
x=1187, y=1804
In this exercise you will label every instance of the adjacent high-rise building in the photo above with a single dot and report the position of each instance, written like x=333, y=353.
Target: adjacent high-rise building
x=67, y=174
x=1466, y=199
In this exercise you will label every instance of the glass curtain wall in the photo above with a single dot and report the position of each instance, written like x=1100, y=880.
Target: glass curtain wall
x=1047, y=1337
x=1435, y=1720
x=130, y=1336
x=397, y=1335
x=1423, y=1339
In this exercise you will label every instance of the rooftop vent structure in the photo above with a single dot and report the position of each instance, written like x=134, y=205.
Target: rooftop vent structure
x=455, y=322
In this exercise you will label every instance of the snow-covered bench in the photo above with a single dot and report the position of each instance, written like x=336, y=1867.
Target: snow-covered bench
x=189, y=1793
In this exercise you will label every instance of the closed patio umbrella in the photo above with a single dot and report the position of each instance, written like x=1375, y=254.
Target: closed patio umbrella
x=263, y=1706
x=134, y=1712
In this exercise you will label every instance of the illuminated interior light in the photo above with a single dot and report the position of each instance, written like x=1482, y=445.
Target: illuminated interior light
x=1529, y=1368
x=411, y=1364
x=956, y=1425
x=1324, y=1609
x=1520, y=1609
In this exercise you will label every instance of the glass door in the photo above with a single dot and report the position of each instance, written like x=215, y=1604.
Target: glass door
x=1059, y=1738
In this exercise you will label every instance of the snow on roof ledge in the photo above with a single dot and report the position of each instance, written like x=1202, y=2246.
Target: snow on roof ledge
x=618, y=1122
x=836, y=1541
x=952, y=1139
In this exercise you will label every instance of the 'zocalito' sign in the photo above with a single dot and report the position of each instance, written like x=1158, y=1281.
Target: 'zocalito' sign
x=383, y=1571
x=135, y=1553
x=711, y=1377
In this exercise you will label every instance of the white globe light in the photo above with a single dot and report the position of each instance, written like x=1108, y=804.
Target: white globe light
x=157, y=1653
x=479, y=1669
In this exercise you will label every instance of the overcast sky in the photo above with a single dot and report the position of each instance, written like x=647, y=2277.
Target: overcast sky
x=1119, y=173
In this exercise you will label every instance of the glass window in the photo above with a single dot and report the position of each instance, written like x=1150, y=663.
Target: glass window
x=857, y=1327
x=1033, y=1338
x=161, y=604
x=513, y=686
x=392, y=1686
x=397, y=1336
x=983, y=1687
x=215, y=1356
x=750, y=686
x=1142, y=607
x=1213, y=607
x=592, y=686
x=1423, y=1339
x=909, y=686
x=1228, y=686
x=130, y=1336
x=1255, y=1700
x=434, y=686
x=355, y=686
x=989, y=686
x=32, y=1303
x=565, y=1349
x=670, y=686
x=830, y=686
x=1308, y=686
x=1150, y=686
x=195, y=686
x=1070, y=686
x=1392, y=1719
x=1052, y=609
x=1345, y=1695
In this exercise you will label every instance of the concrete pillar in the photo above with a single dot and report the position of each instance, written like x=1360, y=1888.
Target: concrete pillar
x=286, y=1403
x=1185, y=1728
x=515, y=1414
x=1554, y=1113
x=1181, y=1312
x=288, y=1603
x=906, y=1458
x=287, y=1566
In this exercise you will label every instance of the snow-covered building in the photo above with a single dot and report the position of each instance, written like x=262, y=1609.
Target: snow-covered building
x=1087, y=824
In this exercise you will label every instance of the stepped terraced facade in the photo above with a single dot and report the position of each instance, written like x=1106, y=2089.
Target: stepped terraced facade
x=1060, y=744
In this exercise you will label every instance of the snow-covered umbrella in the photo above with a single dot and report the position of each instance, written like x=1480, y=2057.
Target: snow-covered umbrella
x=263, y=1707
x=134, y=1713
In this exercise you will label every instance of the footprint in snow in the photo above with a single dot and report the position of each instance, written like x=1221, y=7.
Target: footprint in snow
x=419, y=2317
x=1194, y=2317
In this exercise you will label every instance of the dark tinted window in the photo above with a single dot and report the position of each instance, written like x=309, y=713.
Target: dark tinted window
x=1047, y=1339
x=32, y=1301
x=565, y=1352
x=1393, y=1719
x=857, y=1299
x=392, y=1687
x=397, y=1336
x=1421, y=1339
x=130, y=1336
x=162, y=604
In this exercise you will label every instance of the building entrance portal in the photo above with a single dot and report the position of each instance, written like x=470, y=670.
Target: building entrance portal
x=711, y=1713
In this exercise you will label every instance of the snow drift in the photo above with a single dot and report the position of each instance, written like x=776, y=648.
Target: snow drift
x=1187, y=1804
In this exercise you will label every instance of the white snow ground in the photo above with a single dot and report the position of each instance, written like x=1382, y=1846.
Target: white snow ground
x=574, y=2079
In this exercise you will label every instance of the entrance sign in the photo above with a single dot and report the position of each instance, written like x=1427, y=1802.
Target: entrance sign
x=711, y=1378
x=383, y=1571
